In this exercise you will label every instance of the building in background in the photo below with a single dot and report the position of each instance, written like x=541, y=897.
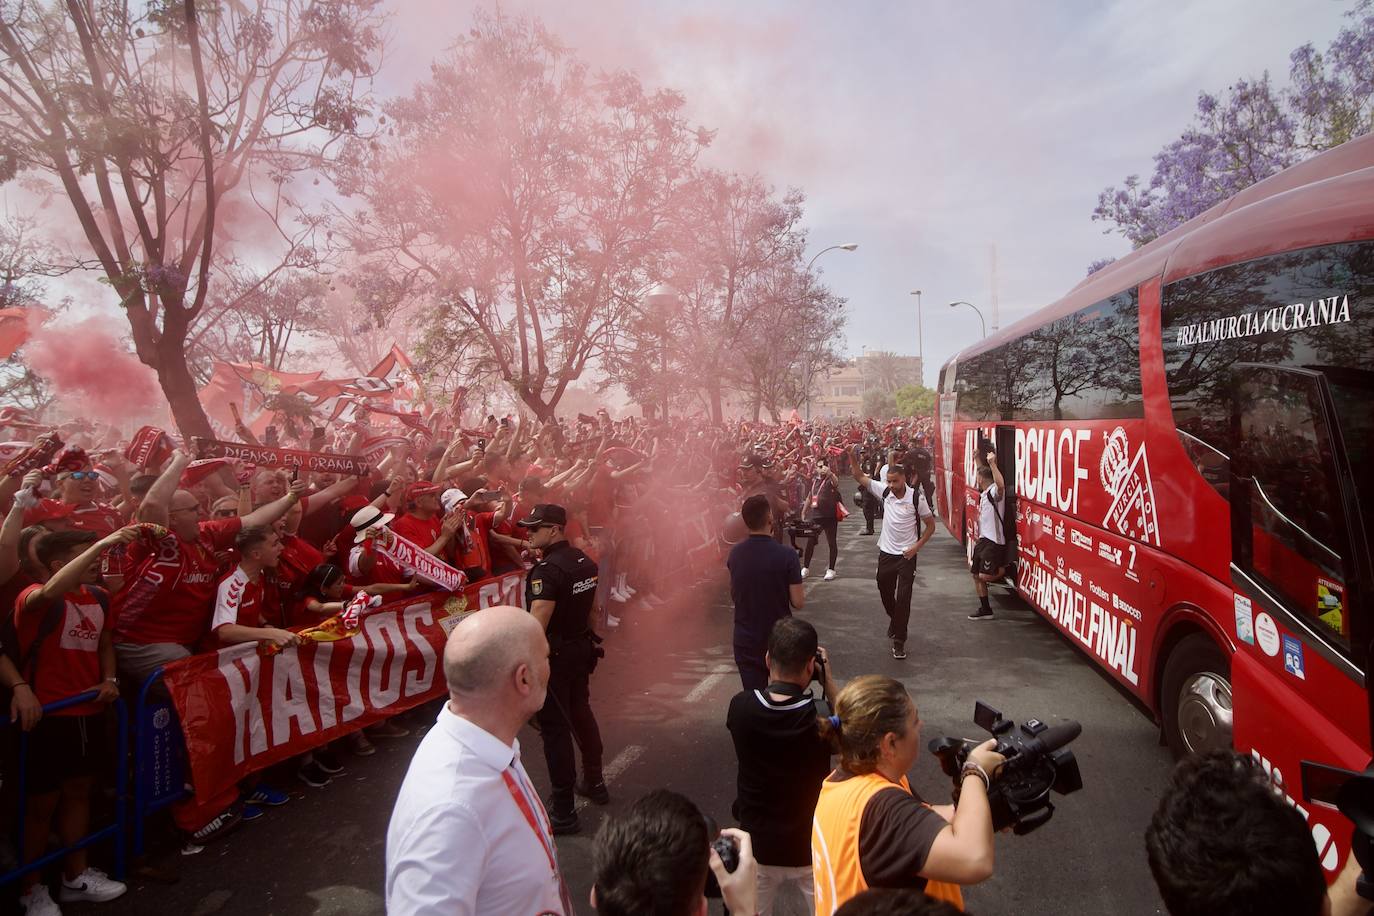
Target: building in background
x=840, y=392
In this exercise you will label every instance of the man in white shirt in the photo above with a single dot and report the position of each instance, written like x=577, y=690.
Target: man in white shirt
x=908, y=523
x=989, y=552
x=469, y=833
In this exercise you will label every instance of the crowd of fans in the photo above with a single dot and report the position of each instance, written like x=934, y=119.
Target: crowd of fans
x=114, y=569
x=151, y=562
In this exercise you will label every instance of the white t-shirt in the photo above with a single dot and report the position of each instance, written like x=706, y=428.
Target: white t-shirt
x=988, y=525
x=900, y=528
x=458, y=842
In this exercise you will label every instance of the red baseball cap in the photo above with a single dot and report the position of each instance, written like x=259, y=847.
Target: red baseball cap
x=421, y=488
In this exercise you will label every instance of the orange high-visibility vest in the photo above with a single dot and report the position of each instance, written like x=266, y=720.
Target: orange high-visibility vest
x=835, y=843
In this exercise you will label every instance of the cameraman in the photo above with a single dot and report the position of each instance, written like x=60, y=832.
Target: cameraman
x=871, y=829
x=782, y=758
x=1221, y=843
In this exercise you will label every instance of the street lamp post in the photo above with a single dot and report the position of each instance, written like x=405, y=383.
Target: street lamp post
x=920, y=335
x=975, y=308
x=847, y=246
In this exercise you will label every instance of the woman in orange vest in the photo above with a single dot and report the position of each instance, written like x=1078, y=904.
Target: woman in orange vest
x=871, y=829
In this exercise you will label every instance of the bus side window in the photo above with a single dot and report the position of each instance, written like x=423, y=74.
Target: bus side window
x=1284, y=445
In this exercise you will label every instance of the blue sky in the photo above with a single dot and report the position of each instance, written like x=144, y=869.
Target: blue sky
x=925, y=132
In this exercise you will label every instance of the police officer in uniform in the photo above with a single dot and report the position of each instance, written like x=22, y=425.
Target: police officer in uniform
x=560, y=592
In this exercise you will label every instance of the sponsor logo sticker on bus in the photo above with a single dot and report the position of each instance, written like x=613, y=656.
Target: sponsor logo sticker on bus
x=1245, y=620
x=1267, y=633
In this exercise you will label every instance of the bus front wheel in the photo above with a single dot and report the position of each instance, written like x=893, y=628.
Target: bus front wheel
x=1195, y=703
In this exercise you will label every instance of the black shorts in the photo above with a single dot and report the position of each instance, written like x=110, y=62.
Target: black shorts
x=988, y=557
x=63, y=748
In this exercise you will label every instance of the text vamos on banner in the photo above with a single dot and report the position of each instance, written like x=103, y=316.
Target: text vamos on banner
x=241, y=711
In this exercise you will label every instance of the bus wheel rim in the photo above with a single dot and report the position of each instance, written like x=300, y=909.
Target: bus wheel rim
x=1204, y=713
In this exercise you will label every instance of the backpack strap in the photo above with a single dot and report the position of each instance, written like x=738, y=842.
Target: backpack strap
x=993, y=503
x=28, y=658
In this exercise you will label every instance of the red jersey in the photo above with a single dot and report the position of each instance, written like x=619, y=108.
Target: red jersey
x=298, y=558
x=68, y=658
x=420, y=532
x=385, y=571
x=238, y=599
x=169, y=589
x=476, y=550
x=97, y=517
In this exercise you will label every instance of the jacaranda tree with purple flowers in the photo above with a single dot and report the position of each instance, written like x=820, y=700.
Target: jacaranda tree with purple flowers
x=1250, y=132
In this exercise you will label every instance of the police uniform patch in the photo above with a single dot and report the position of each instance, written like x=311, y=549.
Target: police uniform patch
x=536, y=586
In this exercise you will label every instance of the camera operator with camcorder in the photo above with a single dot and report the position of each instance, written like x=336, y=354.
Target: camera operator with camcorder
x=870, y=829
x=782, y=758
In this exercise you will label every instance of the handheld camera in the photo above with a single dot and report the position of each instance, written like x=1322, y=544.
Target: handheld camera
x=1038, y=763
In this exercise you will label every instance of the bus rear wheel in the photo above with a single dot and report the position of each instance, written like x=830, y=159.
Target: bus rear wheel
x=1195, y=703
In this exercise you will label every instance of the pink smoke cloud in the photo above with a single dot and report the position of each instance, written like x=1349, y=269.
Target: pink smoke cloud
x=92, y=373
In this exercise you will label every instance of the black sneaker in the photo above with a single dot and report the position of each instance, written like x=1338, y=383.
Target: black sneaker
x=983, y=613
x=313, y=775
x=865, y=533
x=220, y=826
x=898, y=650
x=564, y=823
x=328, y=763
x=595, y=792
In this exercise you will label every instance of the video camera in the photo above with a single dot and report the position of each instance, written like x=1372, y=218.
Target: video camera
x=1037, y=763
x=1353, y=795
x=798, y=527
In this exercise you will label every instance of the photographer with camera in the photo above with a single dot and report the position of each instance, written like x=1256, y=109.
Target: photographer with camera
x=654, y=859
x=782, y=758
x=870, y=829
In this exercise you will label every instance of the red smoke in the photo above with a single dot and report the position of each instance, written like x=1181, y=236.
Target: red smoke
x=91, y=372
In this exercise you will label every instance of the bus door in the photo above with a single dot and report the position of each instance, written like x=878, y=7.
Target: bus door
x=1005, y=439
x=1300, y=567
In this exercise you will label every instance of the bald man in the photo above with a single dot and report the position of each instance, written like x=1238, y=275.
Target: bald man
x=165, y=600
x=469, y=834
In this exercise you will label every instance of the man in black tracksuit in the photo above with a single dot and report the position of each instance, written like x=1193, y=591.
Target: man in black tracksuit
x=561, y=592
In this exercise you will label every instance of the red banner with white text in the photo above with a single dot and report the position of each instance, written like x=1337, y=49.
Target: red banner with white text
x=242, y=711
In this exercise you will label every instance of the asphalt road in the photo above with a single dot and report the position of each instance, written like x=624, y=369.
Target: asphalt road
x=661, y=695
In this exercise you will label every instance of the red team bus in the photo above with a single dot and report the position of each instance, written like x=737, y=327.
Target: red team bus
x=1188, y=442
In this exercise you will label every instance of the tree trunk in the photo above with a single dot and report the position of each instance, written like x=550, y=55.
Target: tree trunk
x=713, y=390
x=540, y=410
x=180, y=390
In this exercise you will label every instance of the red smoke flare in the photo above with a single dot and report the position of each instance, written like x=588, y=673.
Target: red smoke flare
x=92, y=373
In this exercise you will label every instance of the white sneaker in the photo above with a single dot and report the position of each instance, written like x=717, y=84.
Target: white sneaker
x=38, y=902
x=612, y=622
x=617, y=596
x=805, y=570
x=627, y=591
x=92, y=884
x=829, y=574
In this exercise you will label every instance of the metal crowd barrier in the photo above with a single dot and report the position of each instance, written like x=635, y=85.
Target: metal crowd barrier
x=117, y=831
x=160, y=758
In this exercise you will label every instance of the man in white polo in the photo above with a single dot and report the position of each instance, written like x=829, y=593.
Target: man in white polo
x=469, y=833
x=908, y=523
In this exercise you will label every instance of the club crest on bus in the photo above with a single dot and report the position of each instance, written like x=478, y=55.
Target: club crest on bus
x=1133, y=494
